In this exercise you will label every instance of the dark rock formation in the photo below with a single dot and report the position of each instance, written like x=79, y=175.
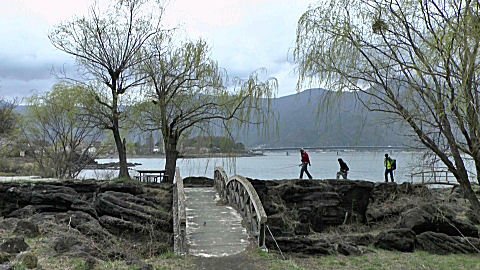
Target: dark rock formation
x=440, y=243
x=398, y=239
x=102, y=219
x=68, y=244
x=28, y=259
x=301, y=207
x=349, y=250
x=129, y=212
x=365, y=239
x=389, y=200
x=437, y=218
x=194, y=181
x=13, y=245
x=302, y=245
x=8, y=224
x=27, y=229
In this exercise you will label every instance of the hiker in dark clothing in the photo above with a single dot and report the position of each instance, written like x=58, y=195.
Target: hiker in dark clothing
x=343, y=169
x=305, y=163
x=388, y=163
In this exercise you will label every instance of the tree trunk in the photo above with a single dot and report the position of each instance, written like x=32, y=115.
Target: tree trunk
x=468, y=192
x=171, y=155
x=122, y=154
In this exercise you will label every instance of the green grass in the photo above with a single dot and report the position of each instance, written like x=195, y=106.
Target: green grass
x=376, y=260
x=7, y=174
x=277, y=263
x=125, y=179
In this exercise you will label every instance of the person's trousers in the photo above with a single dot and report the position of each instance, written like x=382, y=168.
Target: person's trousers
x=343, y=174
x=388, y=171
x=304, y=169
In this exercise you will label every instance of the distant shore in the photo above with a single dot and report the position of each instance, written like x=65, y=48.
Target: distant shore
x=208, y=155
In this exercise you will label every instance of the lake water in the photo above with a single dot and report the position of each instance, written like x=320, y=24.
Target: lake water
x=363, y=165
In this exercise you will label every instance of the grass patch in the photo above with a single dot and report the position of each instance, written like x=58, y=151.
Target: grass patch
x=380, y=259
x=125, y=179
x=275, y=262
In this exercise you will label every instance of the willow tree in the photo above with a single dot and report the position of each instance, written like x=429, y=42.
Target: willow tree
x=187, y=90
x=8, y=118
x=106, y=45
x=55, y=125
x=415, y=59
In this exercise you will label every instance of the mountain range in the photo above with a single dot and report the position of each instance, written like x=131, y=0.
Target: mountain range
x=315, y=118
x=318, y=117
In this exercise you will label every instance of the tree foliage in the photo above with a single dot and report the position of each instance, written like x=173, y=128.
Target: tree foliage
x=8, y=117
x=57, y=129
x=107, y=45
x=416, y=59
x=187, y=90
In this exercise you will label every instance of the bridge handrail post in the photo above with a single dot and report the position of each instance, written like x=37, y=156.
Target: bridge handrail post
x=220, y=181
x=180, y=216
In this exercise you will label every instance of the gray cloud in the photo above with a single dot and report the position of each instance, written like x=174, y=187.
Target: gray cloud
x=24, y=70
x=18, y=88
x=261, y=35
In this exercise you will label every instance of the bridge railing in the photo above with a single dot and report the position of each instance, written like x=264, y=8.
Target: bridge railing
x=179, y=216
x=441, y=177
x=238, y=192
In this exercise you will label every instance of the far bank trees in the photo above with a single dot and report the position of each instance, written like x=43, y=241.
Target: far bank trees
x=106, y=45
x=187, y=90
x=58, y=131
x=418, y=60
x=8, y=117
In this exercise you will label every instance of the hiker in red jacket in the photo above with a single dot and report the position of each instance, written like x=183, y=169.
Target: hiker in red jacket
x=305, y=163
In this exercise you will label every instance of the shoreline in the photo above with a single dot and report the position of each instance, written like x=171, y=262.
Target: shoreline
x=188, y=156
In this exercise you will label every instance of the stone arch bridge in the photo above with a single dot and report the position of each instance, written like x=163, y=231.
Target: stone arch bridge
x=217, y=221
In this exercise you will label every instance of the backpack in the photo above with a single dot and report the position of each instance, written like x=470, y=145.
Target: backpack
x=394, y=164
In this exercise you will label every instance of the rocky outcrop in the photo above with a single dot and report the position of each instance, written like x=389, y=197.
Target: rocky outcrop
x=64, y=244
x=13, y=245
x=27, y=229
x=389, y=200
x=437, y=218
x=331, y=245
x=28, y=260
x=440, y=243
x=103, y=219
x=409, y=216
x=197, y=181
x=298, y=207
x=397, y=239
x=306, y=246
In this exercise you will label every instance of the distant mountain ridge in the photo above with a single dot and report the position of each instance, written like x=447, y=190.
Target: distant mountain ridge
x=318, y=117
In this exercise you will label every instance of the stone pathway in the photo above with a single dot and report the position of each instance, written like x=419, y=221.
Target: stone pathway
x=213, y=229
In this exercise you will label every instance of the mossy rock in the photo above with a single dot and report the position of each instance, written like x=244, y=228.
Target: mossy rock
x=5, y=257
x=28, y=259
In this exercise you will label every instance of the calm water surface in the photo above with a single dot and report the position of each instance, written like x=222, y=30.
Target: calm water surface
x=278, y=165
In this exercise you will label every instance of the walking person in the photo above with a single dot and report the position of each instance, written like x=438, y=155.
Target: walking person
x=343, y=169
x=389, y=167
x=305, y=163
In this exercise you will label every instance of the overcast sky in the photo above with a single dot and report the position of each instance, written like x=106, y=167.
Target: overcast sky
x=244, y=35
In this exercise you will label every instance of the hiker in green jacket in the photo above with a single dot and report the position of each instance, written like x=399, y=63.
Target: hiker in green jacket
x=388, y=162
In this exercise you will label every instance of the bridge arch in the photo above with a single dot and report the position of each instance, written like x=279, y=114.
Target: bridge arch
x=238, y=192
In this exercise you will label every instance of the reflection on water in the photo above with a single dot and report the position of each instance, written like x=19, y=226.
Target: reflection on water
x=278, y=165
